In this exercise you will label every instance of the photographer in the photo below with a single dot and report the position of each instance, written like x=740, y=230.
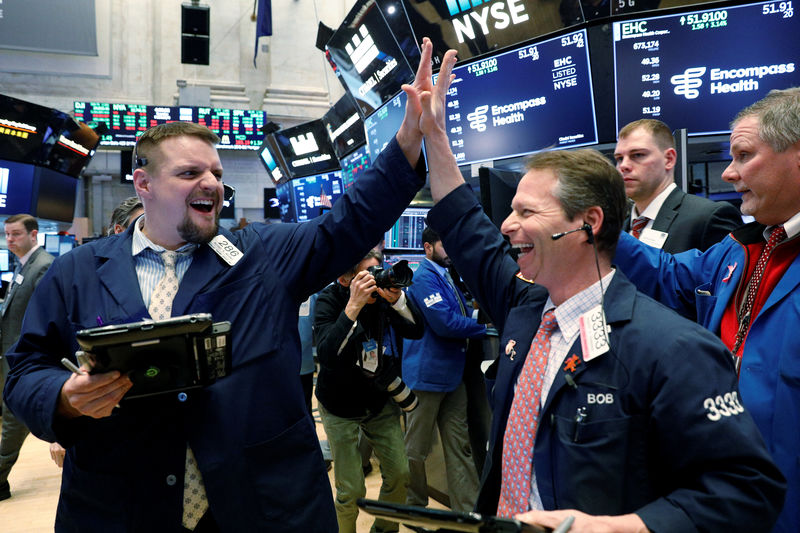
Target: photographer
x=358, y=327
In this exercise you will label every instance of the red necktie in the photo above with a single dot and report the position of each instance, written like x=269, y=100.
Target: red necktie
x=523, y=419
x=777, y=235
x=638, y=225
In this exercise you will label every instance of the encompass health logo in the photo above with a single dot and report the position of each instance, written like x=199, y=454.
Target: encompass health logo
x=477, y=119
x=686, y=84
x=723, y=81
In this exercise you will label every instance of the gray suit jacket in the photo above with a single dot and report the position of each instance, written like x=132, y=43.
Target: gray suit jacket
x=18, y=296
x=693, y=222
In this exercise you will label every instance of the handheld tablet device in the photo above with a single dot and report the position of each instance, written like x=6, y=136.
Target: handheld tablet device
x=160, y=356
x=443, y=520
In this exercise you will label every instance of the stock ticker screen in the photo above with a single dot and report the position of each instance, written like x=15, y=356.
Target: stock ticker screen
x=353, y=165
x=381, y=126
x=696, y=70
x=532, y=98
x=312, y=194
x=406, y=234
x=283, y=192
x=238, y=129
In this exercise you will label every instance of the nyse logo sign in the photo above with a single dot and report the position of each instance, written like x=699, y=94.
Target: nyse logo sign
x=304, y=144
x=484, y=16
x=686, y=84
x=5, y=174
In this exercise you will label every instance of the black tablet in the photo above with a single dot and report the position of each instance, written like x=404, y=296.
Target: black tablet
x=443, y=520
x=161, y=356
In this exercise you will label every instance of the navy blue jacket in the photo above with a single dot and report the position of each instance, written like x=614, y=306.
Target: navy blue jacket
x=436, y=361
x=255, y=444
x=665, y=435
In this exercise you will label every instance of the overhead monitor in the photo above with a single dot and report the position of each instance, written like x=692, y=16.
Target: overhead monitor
x=344, y=126
x=54, y=195
x=238, y=129
x=307, y=149
x=16, y=187
x=28, y=131
x=353, y=165
x=478, y=28
x=406, y=233
x=312, y=195
x=533, y=98
x=125, y=122
x=367, y=58
x=269, y=159
x=695, y=70
x=285, y=204
x=73, y=149
x=272, y=208
x=381, y=127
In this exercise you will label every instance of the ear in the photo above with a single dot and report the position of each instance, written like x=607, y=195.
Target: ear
x=428, y=247
x=142, y=182
x=344, y=280
x=594, y=217
x=671, y=156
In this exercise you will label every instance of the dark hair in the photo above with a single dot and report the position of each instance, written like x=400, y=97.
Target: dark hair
x=372, y=254
x=157, y=134
x=27, y=220
x=659, y=131
x=430, y=236
x=122, y=213
x=586, y=179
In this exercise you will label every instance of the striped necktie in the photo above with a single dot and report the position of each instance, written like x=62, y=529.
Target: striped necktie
x=638, y=225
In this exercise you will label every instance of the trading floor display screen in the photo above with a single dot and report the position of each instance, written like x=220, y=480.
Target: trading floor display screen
x=284, y=193
x=353, y=165
x=406, y=234
x=238, y=129
x=367, y=58
x=313, y=194
x=696, y=70
x=381, y=127
x=533, y=98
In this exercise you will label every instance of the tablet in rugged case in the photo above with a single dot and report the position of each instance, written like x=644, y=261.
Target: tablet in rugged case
x=176, y=354
x=443, y=520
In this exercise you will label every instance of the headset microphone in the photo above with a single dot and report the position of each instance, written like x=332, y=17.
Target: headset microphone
x=586, y=227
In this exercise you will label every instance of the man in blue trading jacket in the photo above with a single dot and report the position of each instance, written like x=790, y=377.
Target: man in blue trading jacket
x=621, y=414
x=756, y=316
x=253, y=442
x=433, y=367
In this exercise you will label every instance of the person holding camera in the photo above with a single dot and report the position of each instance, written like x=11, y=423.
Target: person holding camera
x=359, y=323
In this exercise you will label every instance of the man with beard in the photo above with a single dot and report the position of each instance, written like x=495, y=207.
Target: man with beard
x=434, y=369
x=241, y=454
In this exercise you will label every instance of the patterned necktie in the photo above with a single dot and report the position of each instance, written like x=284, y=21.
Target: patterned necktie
x=449, y=279
x=523, y=419
x=195, y=502
x=638, y=225
x=776, y=236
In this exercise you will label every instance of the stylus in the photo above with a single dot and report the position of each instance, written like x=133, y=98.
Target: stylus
x=69, y=365
x=564, y=526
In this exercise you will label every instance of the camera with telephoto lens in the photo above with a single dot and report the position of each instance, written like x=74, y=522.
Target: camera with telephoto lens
x=388, y=379
x=396, y=276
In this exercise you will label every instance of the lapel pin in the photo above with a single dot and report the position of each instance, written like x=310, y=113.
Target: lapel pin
x=572, y=363
x=510, y=352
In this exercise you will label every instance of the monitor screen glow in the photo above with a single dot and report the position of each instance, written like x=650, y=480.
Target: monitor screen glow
x=696, y=70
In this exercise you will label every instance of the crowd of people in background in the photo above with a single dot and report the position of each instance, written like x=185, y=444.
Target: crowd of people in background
x=647, y=377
